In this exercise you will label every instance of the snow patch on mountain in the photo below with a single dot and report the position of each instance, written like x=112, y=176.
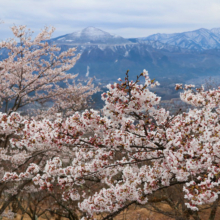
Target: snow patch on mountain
x=126, y=53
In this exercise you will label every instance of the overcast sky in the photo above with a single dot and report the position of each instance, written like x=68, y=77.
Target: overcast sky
x=127, y=18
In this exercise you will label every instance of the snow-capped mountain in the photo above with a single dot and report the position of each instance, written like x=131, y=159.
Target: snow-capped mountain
x=163, y=55
x=201, y=39
x=90, y=36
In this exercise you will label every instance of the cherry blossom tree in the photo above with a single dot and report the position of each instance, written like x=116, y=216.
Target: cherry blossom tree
x=130, y=153
x=33, y=72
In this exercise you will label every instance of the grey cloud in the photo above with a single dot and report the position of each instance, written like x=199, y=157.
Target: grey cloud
x=119, y=16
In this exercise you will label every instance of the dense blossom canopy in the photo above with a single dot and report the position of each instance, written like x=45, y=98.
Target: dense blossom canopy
x=133, y=149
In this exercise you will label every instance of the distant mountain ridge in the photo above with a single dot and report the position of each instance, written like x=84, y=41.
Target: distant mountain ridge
x=201, y=39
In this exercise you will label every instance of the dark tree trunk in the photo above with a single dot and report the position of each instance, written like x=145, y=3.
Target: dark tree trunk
x=214, y=210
